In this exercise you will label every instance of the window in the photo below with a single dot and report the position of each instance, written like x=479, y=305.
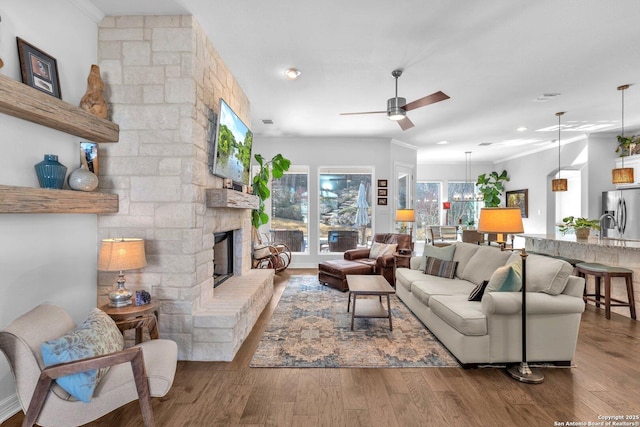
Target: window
x=427, y=206
x=289, y=207
x=344, y=207
x=463, y=206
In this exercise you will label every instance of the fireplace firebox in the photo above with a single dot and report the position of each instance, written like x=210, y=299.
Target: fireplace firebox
x=222, y=257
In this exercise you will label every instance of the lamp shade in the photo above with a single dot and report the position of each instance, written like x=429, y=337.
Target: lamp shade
x=559, y=184
x=500, y=220
x=622, y=176
x=405, y=215
x=121, y=254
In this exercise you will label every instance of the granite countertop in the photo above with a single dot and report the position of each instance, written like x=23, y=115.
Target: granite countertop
x=571, y=238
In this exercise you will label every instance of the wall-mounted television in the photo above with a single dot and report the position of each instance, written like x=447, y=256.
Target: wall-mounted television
x=231, y=156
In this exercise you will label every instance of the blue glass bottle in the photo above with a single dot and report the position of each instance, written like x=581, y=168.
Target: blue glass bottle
x=51, y=173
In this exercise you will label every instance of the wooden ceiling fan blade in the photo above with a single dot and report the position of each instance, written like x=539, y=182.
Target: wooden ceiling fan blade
x=429, y=99
x=365, y=112
x=406, y=123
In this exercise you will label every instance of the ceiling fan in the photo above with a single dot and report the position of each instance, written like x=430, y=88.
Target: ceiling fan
x=397, y=107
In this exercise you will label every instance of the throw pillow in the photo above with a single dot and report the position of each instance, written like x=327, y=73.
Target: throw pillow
x=381, y=249
x=506, y=279
x=444, y=253
x=478, y=291
x=96, y=336
x=440, y=268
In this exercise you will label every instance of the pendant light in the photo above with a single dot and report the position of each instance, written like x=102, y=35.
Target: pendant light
x=559, y=184
x=466, y=196
x=622, y=175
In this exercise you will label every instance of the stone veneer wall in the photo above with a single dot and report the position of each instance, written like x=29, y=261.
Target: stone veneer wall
x=161, y=74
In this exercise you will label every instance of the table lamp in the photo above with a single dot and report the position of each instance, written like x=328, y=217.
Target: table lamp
x=405, y=216
x=121, y=255
x=509, y=221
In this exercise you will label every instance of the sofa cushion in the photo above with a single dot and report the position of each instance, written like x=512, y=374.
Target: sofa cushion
x=96, y=336
x=440, y=268
x=464, y=252
x=483, y=263
x=506, y=279
x=405, y=277
x=462, y=315
x=433, y=285
x=545, y=273
x=382, y=249
x=444, y=253
x=478, y=291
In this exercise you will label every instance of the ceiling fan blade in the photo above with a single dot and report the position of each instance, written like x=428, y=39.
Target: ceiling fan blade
x=366, y=112
x=406, y=123
x=429, y=99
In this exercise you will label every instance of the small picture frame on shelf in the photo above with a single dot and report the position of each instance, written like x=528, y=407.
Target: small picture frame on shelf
x=382, y=201
x=39, y=69
x=382, y=183
x=382, y=192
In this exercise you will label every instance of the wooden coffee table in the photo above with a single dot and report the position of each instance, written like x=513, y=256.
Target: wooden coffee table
x=369, y=285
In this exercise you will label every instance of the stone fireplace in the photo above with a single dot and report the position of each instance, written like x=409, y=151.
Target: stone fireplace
x=222, y=257
x=162, y=77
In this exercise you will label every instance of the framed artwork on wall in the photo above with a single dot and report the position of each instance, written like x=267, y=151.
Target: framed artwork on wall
x=382, y=183
x=39, y=69
x=382, y=201
x=519, y=199
x=382, y=192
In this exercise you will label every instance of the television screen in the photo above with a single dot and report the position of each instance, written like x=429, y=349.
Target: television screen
x=232, y=153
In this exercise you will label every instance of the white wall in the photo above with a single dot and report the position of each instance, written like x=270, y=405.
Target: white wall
x=44, y=257
x=317, y=152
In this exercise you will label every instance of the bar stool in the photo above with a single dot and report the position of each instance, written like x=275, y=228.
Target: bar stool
x=599, y=271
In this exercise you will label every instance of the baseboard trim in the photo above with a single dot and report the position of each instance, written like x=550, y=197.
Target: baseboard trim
x=9, y=407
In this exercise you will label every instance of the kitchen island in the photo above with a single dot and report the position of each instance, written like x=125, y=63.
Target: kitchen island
x=617, y=252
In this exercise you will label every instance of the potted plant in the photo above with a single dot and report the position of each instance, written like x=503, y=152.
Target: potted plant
x=581, y=226
x=491, y=187
x=275, y=167
x=628, y=145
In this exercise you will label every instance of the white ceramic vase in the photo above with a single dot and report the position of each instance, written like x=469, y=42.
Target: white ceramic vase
x=83, y=180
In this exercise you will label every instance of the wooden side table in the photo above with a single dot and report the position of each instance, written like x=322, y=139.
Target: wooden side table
x=135, y=316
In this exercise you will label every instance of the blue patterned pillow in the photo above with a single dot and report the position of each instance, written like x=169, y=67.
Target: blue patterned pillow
x=506, y=279
x=440, y=268
x=96, y=336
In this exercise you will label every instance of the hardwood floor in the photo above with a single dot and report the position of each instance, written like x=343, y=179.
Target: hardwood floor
x=604, y=382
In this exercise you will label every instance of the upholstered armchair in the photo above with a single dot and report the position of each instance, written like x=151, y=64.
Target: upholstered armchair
x=138, y=372
x=384, y=264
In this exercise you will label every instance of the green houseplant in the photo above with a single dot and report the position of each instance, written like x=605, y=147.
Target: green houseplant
x=491, y=187
x=275, y=167
x=581, y=226
x=628, y=145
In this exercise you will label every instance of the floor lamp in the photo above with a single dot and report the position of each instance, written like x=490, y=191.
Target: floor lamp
x=509, y=221
x=406, y=216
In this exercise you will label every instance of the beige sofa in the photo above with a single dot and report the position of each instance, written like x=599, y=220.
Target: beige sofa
x=489, y=331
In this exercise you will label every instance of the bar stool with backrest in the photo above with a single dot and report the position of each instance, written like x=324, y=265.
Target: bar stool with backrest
x=607, y=272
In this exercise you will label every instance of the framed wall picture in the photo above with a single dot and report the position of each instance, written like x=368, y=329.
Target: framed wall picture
x=382, y=201
x=382, y=183
x=39, y=69
x=519, y=199
x=382, y=192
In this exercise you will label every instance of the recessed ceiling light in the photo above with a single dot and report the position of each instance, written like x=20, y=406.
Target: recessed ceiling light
x=521, y=129
x=292, y=73
x=267, y=121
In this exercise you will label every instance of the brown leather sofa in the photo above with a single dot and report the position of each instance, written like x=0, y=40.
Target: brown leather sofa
x=356, y=261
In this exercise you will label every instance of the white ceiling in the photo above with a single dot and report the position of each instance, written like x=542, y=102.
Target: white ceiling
x=494, y=58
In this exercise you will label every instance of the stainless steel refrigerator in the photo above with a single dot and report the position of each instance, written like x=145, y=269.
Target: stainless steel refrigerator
x=624, y=205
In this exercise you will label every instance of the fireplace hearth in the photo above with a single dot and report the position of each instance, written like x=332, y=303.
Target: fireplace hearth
x=222, y=257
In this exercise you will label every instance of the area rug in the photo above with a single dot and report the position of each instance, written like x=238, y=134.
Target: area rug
x=310, y=328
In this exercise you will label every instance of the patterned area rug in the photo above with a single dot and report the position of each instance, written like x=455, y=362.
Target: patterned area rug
x=310, y=328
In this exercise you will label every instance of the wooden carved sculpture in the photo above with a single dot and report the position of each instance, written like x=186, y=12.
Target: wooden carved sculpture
x=93, y=100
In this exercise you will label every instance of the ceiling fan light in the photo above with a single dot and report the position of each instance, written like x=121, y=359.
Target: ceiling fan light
x=292, y=73
x=395, y=109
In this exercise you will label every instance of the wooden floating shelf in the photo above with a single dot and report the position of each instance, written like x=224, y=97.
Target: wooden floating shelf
x=14, y=200
x=224, y=198
x=22, y=101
